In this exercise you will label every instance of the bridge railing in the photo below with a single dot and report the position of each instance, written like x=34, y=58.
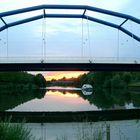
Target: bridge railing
x=65, y=59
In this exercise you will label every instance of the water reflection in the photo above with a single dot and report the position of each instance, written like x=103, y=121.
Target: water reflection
x=63, y=94
x=67, y=99
x=109, y=98
x=72, y=90
x=86, y=93
x=14, y=97
x=114, y=98
x=60, y=99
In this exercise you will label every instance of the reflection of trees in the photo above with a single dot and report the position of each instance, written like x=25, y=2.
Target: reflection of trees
x=135, y=97
x=13, y=97
x=113, y=86
x=101, y=99
x=120, y=97
x=108, y=98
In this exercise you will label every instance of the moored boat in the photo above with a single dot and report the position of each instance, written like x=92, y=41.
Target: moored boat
x=87, y=89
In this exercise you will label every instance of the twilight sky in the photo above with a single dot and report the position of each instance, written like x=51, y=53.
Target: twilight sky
x=61, y=74
x=64, y=36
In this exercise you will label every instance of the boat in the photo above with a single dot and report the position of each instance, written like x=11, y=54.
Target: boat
x=86, y=93
x=87, y=89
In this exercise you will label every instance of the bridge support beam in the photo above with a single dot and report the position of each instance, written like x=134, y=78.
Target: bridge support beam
x=68, y=67
x=71, y=16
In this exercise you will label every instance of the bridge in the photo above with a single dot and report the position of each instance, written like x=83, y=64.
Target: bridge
x=46, y=63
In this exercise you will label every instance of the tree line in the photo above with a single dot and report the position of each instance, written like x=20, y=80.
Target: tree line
x=21, y=79
x=104, y=79
x=109, y=79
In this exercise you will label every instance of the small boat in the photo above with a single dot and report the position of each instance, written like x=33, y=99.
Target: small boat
x=87, y=89
x=86, y=93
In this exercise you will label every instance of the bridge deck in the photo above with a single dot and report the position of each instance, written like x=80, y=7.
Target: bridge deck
x=68, y=64
x=69, y=59
x=68, y=67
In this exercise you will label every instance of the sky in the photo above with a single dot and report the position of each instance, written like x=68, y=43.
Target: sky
x=64, y=39
x=109, y=4
x=61, y=74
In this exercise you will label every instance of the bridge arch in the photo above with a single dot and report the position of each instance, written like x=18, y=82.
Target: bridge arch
x=7, y=64
x=71, y=7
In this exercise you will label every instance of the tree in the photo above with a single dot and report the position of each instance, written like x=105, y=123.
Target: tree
x=100, y=77
x=117, y=82
x=40, y=80
x=127, y=77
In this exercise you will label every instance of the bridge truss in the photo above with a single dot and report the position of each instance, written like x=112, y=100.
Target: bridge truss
x=83, y=65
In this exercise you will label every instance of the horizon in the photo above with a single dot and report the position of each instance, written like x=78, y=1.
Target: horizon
x=61, y=74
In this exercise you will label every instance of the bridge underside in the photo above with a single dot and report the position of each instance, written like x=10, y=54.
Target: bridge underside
x=68, y=67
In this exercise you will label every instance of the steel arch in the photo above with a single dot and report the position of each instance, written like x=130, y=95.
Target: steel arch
x=72, y=7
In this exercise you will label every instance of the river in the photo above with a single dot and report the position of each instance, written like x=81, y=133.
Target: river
x=69, y=99
x=74, y=99
x=110, y=130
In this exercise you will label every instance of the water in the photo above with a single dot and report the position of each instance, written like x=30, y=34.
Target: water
x=110, y=130
x=73, y=99
x=67, y=99
x=58, y=99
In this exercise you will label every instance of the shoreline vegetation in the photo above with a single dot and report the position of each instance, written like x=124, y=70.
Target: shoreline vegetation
x=102, y=79
x=14, y=131
x=19, y=87
x=21, y=80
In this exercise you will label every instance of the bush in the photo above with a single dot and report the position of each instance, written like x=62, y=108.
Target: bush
x=14, y=131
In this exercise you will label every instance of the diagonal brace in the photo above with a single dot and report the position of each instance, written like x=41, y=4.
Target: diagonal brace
x=4, y=21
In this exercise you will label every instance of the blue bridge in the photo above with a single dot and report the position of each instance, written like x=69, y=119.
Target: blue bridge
x=47, y=63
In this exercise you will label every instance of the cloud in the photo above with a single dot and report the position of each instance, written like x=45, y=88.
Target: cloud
x=55, y=26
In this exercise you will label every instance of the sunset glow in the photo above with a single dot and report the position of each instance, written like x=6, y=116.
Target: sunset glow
x=61, y=74
x=57, y=93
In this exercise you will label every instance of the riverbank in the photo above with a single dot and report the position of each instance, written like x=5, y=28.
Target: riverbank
x=17, y=86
